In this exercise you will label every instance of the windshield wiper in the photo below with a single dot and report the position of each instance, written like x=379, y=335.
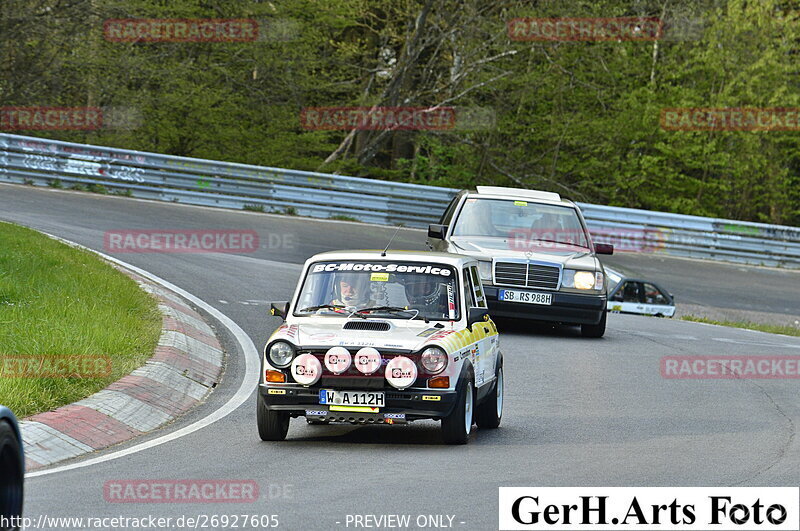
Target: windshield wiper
x=562, y=243
x=390, y=309
x=324, y=307
x=384, y=309
x=332, y=307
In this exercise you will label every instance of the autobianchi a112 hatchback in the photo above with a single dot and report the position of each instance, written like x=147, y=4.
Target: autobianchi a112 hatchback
x=384, y=338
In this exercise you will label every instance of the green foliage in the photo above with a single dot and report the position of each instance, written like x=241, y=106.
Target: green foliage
x=97, y=188
x=578, y=118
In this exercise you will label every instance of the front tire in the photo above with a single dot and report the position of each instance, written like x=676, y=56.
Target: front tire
x=597, y=330
x=489, y=414
x=272, y=425
x=457, y=426
x=12, y=476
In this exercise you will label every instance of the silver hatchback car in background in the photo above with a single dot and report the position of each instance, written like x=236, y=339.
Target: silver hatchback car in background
x=537, y=260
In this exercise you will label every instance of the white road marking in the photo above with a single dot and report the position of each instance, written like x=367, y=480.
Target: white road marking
x=249, y=383
x=756, y=343
x=720, y=339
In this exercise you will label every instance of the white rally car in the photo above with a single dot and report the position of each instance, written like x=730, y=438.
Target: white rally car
x=375, y=337
x=633, y=295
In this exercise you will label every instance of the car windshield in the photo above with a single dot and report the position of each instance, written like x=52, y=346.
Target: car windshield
x=613, y=278
x=523, y=223
x=400, y=290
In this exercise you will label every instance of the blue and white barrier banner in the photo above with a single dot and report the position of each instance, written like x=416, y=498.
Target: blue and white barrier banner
x=650, y=508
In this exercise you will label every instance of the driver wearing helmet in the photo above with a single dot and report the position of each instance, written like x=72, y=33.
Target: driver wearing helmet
x=425, y=293
x=351, y=290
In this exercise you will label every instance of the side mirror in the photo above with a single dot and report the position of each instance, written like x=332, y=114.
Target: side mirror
x=437, y=231
x=279, y=309
x=477, y=315
x=603, y=248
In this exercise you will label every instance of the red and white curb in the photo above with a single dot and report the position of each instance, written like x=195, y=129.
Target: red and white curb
x=187, y=364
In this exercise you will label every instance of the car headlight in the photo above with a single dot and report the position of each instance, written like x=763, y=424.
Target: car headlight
x=485, y=269
x=434, y=360
x=598, y=280
x=584, y=279
x=281, y=354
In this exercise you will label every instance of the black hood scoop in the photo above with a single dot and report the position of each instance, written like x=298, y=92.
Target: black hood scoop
x=372, y=326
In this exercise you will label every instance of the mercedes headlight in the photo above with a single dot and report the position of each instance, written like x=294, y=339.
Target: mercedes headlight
x=584, y=279
x=434, y=360
x=485, y=269
x=281, y=354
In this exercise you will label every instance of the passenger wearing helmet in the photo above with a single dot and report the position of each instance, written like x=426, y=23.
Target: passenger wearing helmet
x=351, y=290
x=426, y=294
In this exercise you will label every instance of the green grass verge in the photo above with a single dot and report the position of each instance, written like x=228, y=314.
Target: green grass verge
x=56, y=300
x=772, y=329
x=342, y=217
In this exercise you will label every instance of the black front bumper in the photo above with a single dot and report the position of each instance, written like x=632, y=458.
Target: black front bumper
x=572, y=308
x=415, y=404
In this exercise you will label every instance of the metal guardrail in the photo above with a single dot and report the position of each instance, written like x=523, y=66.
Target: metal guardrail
x=45, y=162
x=696, y=236
x=213, y=183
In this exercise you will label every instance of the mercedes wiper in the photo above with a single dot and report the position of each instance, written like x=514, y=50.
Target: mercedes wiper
x=562, y=243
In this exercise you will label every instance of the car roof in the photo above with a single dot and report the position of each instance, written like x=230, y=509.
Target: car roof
x=392, y=255
x=502, y=192
x=643, y=280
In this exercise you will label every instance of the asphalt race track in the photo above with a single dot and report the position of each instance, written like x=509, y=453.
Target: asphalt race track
x=578, y=412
